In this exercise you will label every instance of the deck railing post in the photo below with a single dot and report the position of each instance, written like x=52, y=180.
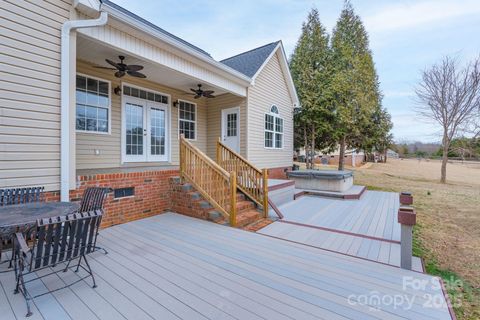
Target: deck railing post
x=181, y=154
x=265, y=192
x=407, y=219
x=218, y=158
x=233, y=199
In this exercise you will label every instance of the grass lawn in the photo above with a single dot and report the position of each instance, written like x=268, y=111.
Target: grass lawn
x=448, y=215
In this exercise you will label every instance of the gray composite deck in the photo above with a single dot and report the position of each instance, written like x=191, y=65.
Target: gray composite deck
x=175, y=267
x=374, y=214
x=371, y=224
x=371, y=249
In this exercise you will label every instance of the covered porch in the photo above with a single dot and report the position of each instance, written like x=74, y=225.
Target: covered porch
x=174, y=267
x=129, y=122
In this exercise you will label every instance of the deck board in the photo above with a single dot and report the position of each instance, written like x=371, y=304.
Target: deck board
x=175, y=267
x=375, y=214
x=366, y=228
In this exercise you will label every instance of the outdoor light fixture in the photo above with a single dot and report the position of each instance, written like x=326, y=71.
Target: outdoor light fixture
x=175, y=104
x=117, y=90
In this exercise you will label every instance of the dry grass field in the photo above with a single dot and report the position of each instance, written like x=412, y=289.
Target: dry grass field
x=448, y=215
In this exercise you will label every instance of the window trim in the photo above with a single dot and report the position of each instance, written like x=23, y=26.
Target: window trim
x=195, y=121
x=109, y=132
x=168, y=121
x=274, y=132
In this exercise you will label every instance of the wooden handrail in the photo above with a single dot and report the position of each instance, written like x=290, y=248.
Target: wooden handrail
x=250, y=180
x=212, y=181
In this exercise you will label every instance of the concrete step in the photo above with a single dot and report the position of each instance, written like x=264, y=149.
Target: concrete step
x=187, y=187
x=217, y=217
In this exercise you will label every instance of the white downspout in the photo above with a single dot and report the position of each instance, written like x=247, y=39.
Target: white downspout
x=65, y=98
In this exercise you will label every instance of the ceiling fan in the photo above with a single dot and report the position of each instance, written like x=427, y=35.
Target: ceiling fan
x=122, y=68
x=200, y=93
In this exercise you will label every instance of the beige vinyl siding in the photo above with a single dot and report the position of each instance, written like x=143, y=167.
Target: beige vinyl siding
x=30, y=92
x=109, y=145
x=270, y=88
x=214, y=125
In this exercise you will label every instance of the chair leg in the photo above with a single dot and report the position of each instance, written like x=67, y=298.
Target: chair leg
x=26, y=295
x=90, y=271
x=68, y=264
x=100, y=248
x=78, y=264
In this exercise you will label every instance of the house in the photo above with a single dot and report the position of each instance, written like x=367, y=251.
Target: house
x=68, y=122
x=391, y=154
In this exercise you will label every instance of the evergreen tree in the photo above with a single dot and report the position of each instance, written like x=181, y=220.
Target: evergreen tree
x=311, y=72
x=356, y=93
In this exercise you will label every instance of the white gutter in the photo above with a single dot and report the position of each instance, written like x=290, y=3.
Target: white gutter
x=67, y=27
x=125, y=18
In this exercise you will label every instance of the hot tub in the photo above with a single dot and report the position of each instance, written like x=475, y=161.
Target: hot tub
x=322, y=180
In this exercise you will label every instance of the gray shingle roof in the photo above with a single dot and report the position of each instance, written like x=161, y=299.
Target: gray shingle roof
x=119, y=8
x=249, y=62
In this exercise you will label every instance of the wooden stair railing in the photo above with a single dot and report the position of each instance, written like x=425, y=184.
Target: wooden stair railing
x=214, y=183
x=250, y=180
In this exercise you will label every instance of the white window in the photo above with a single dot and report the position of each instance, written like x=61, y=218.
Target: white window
x=273, y=129
x=187, y=119
x=93, y=104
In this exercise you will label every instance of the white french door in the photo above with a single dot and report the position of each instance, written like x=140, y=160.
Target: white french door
x=145, y=130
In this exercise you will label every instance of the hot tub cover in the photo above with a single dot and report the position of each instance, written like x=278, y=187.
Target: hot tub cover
x=321, y=174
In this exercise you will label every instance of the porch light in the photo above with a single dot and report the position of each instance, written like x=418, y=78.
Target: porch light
x=117, y=90
x=175, y=104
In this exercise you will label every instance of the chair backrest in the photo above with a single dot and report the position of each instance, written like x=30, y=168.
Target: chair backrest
x=21, y=195
x=93, y=199
x=64, y=238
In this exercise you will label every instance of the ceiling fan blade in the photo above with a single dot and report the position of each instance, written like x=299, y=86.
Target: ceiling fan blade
x=208, y=96
x=116, y=65
x=136, y=74
x=197, y=96
x=193, y=90
x=208, y=92
x=134, y=67
x=119, y=74
x=107, y=68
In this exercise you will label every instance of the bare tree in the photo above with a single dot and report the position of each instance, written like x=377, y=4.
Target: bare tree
x=450, y=96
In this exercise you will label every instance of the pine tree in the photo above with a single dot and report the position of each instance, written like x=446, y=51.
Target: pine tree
x=356, y=93
x=311, y=72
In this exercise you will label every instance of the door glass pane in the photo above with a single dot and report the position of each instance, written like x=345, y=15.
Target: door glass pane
x=157, y=131
x=134, y=129
x=231, y=125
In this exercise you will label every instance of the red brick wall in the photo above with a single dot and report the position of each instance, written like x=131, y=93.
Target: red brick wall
x=152, y=194
x=187, y=202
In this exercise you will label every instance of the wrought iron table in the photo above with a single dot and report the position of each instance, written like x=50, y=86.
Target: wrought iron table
x=21, y=217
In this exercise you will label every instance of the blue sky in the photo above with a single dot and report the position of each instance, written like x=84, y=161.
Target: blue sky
x=405, y=36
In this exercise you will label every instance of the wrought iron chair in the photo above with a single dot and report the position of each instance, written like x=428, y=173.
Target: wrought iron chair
x=93, y=199
x=21, y=195
x=54, y=241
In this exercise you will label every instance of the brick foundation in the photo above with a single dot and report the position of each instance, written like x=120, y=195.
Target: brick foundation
x=278, y=173
x=152, y=194
x=155, y=193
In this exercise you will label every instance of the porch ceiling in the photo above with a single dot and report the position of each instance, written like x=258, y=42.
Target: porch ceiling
x=96, y=53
